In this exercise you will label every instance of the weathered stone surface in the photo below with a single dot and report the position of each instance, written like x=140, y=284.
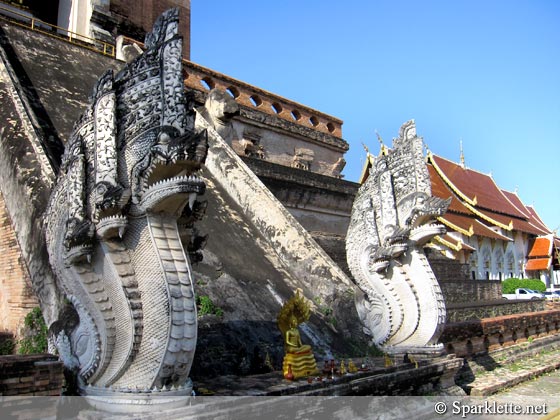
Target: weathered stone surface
x=466, y=338
x=26, y=177
x=255, y=257
x=57, y=77
x=320, y=203
x=248, y=253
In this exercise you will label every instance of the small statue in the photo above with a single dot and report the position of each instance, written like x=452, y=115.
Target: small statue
x=351, y=366
x=342, y=370
x=299, y=359
x=388, y=361
x=413, y=360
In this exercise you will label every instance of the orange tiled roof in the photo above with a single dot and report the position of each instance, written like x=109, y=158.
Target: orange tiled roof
x=476, y=187
x=538, y=264
x=477, y=203
x=541, y=248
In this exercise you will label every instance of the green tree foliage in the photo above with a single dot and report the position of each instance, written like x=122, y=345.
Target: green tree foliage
x=509, y=285
x=34, y=334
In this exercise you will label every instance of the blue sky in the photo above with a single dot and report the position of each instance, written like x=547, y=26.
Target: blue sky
x=486, y=72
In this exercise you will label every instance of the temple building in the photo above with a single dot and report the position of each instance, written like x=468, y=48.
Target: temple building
x=489, y=228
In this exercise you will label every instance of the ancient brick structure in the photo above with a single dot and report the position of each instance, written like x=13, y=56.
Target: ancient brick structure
x=16, y=295
x=135, y=18
x=482, y=335
x=37, y=375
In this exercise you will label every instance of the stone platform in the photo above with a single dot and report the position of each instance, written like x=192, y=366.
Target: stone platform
x=400, y=379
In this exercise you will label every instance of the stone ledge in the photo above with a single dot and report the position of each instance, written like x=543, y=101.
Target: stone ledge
x=504, y=377
x=274, y=171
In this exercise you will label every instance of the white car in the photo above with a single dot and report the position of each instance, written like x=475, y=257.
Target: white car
x=555, y=296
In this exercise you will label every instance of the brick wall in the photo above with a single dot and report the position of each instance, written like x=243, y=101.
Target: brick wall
x=480, y=336
x=457, y=285
x=465, y=311
x=37, y=374
x=471, y=291
x=142, y=14
x=16, y=295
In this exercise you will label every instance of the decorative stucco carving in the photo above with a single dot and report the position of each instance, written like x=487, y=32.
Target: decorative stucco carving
x=219, y=109
x=391, y=220
x=303, y=158
x=119, y=228
x=250, y=145
x=337, y=167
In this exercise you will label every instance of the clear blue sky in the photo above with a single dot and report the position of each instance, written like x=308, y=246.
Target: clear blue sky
x=486, y=72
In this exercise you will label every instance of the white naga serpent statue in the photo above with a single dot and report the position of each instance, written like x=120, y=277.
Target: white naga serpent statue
x=392, y=219
x=119, y=228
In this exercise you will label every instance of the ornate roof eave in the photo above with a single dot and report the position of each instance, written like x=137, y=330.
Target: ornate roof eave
x=509, y=227
x=471, y=201
x=458, y=247
x=469, y=232
x=365, y=170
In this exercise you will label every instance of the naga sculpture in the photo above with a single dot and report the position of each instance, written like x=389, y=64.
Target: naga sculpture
x=299, y=360
x=392, y=218
x=119, y=228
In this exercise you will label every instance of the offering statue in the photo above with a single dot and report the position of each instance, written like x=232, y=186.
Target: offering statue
x=298, y=360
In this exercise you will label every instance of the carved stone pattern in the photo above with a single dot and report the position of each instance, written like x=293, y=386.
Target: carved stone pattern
x=112, y=229
x=391, y=221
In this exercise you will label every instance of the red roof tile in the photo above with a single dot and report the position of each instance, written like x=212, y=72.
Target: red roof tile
x=456, y=244
x=541, y=248
x=516, y=201
x=476, y=186
x=536, y=220
x=538, y=264
x=518, y=224
x=439, y=189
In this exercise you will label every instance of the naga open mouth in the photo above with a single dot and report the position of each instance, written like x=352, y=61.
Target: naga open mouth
x=164, y=179
x=425, y=232
x=170, y=184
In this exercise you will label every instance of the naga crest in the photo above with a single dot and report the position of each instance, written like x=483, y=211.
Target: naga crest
x=119, y=228
x=392, y=218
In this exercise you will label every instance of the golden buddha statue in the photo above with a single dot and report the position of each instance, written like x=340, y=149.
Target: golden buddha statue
x=299, y=360
x=351, y=366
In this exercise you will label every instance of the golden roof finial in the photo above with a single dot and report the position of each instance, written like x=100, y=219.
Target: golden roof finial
x=380, y=139
x=462, y=158
x=365, y=148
